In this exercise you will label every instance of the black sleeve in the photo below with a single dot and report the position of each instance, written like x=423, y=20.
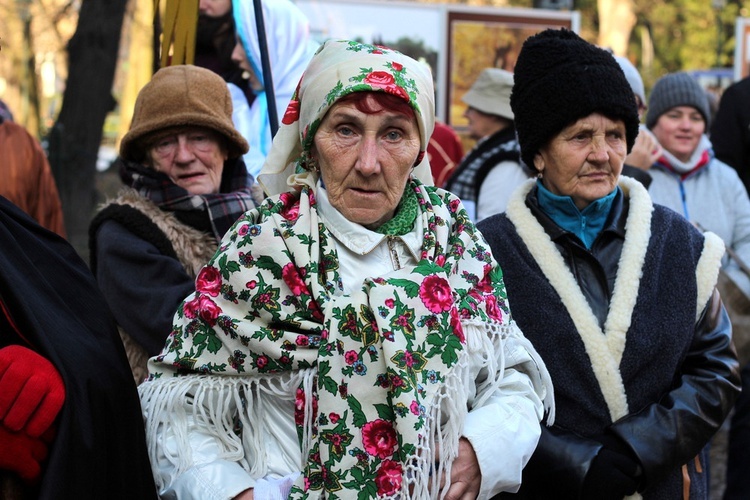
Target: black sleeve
x=142, y=286
x=729, y=129
x=668, y=433
x=641, y=176
x=558, y=467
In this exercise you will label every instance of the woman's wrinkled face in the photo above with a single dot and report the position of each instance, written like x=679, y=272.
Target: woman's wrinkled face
x=679, y=131
x=584, y=160
x=193, y=158
x=365, y=160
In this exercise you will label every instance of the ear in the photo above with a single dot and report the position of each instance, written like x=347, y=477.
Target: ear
x=539, y=163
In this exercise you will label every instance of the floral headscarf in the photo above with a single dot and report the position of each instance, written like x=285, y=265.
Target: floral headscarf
x=337, y=69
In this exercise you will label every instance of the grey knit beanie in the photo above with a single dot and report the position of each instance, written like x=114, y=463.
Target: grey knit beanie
x=560, y=78
x=676, y=89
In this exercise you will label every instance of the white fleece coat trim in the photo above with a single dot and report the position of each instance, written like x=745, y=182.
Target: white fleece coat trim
x=707, y=270
x=604, y=348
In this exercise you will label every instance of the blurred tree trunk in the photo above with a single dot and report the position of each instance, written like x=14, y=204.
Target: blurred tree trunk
x=616, y=21
x=77, y=134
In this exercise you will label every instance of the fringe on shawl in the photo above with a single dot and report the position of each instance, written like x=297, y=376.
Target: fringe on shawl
x=173, y=406
x=447, y=413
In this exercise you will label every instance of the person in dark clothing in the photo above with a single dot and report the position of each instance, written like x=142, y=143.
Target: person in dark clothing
x=215, y=39
x=186, y=184
x=59, y=347
x=730, y=130
x=730, y=137
x=490, y=172
x=617, y=293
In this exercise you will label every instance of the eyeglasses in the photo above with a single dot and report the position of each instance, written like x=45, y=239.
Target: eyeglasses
x=203, y=141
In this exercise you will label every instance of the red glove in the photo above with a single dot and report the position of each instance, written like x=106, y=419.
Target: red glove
x=31, y=391
x=22, y=454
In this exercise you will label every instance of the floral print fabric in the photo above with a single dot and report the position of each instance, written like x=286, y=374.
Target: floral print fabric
x=269, y=302
x=339, y=68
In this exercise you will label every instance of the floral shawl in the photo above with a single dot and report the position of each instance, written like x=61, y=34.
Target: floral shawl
x=374, y=372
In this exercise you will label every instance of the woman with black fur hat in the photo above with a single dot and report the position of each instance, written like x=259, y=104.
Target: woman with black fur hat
x=616, y=293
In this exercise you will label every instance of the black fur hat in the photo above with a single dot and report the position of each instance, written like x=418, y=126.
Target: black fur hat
x=558, y=78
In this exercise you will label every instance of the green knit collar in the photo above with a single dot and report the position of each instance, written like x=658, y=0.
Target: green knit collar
x=405, y=216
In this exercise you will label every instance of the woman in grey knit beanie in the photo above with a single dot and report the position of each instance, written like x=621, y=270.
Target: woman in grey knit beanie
x=688, y=178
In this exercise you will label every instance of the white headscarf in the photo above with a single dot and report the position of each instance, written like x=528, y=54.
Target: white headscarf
x=339, y=68
x=289, y=50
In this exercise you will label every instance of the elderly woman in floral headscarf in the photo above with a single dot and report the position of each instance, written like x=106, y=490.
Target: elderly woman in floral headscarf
x=352, y=337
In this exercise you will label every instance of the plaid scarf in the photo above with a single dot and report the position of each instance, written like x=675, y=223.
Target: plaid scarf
x=222, y=209
x=468, y=177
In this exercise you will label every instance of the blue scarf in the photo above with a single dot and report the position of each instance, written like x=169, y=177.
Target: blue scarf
x=586, y=223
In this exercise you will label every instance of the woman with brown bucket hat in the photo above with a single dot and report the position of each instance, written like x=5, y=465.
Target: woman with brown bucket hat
x=186, y=183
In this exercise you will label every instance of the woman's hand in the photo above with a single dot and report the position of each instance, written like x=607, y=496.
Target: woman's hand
x=466, y=476
x=645, y=152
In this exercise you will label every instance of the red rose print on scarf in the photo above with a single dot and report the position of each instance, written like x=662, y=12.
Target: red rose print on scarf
x=388, y=479
x=384, y=80
x=290, y=209
x=203, y=307
x=493, y=310
x=291, y=114
x=209, y=281
x=435, y=293
x=458, y=330
x=291, y=276
x=379, y=438
x=299, y=406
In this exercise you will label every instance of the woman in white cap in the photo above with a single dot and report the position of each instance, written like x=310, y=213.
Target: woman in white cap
x=492, y=170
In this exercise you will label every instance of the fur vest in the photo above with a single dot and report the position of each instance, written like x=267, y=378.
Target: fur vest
x=191, y=247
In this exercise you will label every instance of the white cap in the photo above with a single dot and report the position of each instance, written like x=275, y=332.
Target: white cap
x=490, y=93
x=633, y=77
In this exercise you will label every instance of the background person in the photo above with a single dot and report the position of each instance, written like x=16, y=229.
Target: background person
x=290, y=48
x=730, y=130
x=444, y=151
x=688, y=178
x=27, y=178
x=186, y=184
x=354, y=324
x=59, y=348
x=214, y=43
x=492, y=169
x=616, y=293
